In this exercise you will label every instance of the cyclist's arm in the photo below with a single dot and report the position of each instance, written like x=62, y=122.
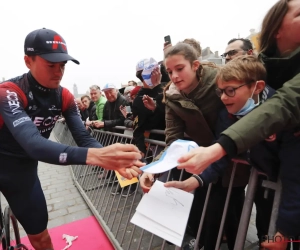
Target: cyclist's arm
x=12, y=113
x=71, y=114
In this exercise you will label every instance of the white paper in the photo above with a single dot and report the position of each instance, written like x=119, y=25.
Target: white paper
x=157, y=229
x=169, y=158
x=164, y=212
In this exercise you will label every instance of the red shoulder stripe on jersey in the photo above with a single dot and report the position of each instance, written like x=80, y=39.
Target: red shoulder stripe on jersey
x=14, y=88
x=67, y=100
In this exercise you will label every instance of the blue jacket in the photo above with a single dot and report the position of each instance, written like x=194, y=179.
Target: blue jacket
x=269, y=156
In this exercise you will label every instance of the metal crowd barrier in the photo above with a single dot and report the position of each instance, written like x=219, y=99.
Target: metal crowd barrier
x=115, y=211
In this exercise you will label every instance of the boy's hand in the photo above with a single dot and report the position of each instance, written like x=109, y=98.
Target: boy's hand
x=146, y=182
x=198, y=159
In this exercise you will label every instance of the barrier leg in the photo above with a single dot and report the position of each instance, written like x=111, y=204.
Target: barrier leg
x=277, y=187
x=225, y=207
x=246, y=213
x=202, y=217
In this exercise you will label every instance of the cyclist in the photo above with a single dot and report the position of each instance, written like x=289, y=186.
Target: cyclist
x=29, y=107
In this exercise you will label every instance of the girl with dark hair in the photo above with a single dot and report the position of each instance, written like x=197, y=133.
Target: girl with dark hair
x=192, y=108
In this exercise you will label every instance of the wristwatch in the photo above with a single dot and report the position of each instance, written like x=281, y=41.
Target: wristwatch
x=198, y=178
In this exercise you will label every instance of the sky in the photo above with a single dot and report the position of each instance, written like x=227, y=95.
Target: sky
x=108, y=38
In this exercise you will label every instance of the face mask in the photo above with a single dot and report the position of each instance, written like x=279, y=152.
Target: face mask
x=249, y=105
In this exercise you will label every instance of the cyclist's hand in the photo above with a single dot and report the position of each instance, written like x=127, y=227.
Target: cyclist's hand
x=129, y=173
x=116, y=157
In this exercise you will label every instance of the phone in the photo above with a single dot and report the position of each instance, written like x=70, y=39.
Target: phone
x=167, y=40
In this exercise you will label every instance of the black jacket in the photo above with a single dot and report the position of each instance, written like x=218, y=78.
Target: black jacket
x=112, y=115
x=145, y=119
x=84, y=114
x=92, y=112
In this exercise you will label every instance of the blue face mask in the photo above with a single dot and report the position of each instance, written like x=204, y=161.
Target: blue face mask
x=249, y=105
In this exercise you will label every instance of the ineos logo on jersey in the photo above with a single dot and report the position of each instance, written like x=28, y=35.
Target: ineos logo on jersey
x=13, y=101
x=45, y=122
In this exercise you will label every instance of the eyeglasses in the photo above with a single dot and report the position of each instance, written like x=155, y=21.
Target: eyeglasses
x=231, y=53
x=229, y=91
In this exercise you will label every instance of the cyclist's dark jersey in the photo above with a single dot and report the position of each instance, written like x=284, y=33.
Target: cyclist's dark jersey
x=28, y=112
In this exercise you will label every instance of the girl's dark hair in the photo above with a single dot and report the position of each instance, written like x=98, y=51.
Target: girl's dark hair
x=270, y=26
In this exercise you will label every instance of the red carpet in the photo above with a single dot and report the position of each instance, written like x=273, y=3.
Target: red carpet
x=90, y=236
